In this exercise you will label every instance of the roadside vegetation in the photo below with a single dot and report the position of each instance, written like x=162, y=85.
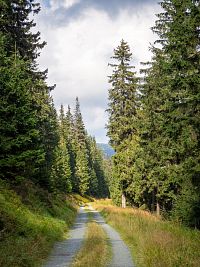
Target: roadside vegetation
x=95, y=251
x=30, y=222
x=152, y=241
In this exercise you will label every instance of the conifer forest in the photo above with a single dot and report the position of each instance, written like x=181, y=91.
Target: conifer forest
x=153, y=118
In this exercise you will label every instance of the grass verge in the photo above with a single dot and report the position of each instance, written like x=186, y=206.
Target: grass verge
x=30, y=224
x=96, y=250
x=154, y=242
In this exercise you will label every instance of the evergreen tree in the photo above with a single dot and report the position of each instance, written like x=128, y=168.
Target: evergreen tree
x=98, y=184
x=82, y=171
x=154, y=156
x=21, y=42
x=93, y=182
x=107, y=167
x=79, y=126
x=71, y=146
x=61, y=173
x=171, y=99
x=178, y=28
x=16, y=25
x=19, y=157
x=122, y=109
x=48, y=127
x=122, y=97
x=103, y=189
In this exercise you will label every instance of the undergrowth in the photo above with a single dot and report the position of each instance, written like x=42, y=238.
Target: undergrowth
x=152, y=241
x=31, y=220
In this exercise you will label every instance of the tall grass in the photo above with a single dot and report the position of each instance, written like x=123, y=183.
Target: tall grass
x=95, y=251
x=29, y=226
x=154, y=242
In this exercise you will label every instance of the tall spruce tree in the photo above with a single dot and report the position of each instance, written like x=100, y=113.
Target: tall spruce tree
x=79, y=126
x=151, y=174
x=48, y=127
x=98, y=185
x=20, y=41
x=71, y=145
x=16, y=25
x=19, y=157
x=176, y=145
x=122, y=97
x=93, y=182
x=82, y=165
x=61, y=173
x=61, y=169
x=122, y=108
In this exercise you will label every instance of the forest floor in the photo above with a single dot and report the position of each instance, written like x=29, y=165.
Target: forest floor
x=64, y=252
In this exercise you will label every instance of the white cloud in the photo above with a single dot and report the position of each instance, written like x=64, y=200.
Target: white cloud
x=70, y=3
x=78, y=53
x=55, y=4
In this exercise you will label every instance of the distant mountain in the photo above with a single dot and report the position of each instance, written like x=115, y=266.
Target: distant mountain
x=107, y=149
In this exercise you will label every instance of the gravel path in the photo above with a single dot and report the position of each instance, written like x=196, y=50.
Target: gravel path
x=121, y=254
x=63, y=252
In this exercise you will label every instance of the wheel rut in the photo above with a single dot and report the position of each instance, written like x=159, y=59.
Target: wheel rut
x=121, y=254
x=64, y=252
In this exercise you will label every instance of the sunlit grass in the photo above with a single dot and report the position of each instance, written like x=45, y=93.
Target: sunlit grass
x=80, y=200
x=96, y=250
x=27, y=234
x=154, y=242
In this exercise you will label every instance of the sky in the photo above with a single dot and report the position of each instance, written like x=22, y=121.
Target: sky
x=81, y=36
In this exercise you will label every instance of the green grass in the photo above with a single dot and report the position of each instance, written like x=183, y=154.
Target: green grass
x=154, y=242
x=30, y=222
x=80, y=200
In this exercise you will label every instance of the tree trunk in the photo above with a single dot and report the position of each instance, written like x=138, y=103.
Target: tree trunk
x=153, y=201
x=158, y=209
x=123, y=201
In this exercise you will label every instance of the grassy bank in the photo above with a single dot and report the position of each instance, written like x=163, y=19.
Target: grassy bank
x=154, y=242
x=95, y=250
x=31, y=220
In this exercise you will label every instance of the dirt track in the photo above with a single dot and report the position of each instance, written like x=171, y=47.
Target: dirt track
x=64, y=252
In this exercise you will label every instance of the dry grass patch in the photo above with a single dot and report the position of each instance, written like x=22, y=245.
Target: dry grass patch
x=154, y=242
x=95, y=251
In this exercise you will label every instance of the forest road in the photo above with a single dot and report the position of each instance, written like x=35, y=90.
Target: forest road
x=64, y=252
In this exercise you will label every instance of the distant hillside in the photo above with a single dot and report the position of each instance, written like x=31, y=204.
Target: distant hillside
x=107, y=149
